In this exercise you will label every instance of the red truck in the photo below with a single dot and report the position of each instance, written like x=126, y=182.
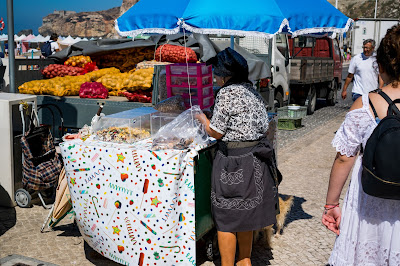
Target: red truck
x=316, y=70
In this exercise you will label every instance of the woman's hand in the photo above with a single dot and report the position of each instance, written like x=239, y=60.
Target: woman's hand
x=331, y=219
x=202, y=118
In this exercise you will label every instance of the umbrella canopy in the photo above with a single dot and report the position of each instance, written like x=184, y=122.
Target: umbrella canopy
x=233, y=17
x=62, y=203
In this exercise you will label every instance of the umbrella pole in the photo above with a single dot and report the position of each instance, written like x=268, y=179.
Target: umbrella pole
x=47, y=219
x=11, y=52
x=54, y=223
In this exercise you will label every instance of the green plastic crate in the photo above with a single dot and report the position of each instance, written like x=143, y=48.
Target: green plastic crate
x=286, y=112
x=289, y=124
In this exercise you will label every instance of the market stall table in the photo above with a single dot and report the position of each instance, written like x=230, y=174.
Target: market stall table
x=137, y=206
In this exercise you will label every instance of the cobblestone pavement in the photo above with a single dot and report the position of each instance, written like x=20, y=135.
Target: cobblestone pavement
x=305, y=157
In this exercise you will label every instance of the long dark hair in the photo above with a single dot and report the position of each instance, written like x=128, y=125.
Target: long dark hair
x=388, y=54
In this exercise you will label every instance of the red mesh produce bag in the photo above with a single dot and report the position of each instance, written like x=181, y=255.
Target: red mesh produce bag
x=175, y=54
x=138, y=96
x=55, y=70
x=93, y=90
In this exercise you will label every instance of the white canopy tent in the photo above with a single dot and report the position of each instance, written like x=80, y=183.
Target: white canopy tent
x=38, y=39
x=3, y=37
x=68, y=41
x=20, y=38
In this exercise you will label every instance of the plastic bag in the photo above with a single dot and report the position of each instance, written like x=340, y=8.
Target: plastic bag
x=181, y=132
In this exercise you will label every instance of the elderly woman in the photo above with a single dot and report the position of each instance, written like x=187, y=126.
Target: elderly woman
x=243, y=191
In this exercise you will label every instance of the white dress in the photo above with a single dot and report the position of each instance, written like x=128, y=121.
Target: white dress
x=370, y=226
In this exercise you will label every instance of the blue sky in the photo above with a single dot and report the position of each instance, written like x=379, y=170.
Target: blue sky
x=28, y=14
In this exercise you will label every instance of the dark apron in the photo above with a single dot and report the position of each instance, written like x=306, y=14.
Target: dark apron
x=244, y=194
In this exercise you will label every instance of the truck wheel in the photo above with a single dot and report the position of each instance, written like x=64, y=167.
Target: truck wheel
x=278, y=101
x=332, y=94
x=312, y=101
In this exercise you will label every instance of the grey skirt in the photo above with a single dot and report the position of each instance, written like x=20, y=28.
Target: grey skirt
x=243, y=192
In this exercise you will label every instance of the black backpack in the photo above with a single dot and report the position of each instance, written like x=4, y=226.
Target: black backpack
x=381, y=168
x=46, y=49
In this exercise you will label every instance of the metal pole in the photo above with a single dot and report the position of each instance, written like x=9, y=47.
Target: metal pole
x=11, y=51
x=376, y=7
x=336, y=4
x=233, y=42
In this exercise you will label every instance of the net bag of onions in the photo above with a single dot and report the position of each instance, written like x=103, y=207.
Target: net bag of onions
x=175, y=54
x=93, y=90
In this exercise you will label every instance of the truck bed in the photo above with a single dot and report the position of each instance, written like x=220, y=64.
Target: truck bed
x=306, y=70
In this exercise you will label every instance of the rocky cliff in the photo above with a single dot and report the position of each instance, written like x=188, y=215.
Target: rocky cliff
x=366, y=8
x=84, y=24
x=126, y=4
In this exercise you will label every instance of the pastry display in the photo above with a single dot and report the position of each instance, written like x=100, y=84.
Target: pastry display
x=122, y=134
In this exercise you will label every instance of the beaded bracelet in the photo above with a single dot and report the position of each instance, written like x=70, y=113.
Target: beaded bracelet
x=328, y=207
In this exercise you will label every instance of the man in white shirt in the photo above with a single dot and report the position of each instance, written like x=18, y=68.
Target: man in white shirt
x=364, y=69
x=53, y=42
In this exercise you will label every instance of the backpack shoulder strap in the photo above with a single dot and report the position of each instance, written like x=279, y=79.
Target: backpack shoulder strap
x=392, y=104
x=385, y=96
x=373, y=108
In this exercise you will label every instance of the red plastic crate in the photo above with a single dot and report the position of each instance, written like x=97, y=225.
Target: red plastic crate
x=198, y=76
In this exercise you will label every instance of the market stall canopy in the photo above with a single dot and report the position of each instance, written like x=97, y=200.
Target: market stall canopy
x=107, y=45
x=68, y=41
x=29, y=37
x=257, y=67
x=20, y=38
x=262, y=18
x=38, y=39
x=200, y=43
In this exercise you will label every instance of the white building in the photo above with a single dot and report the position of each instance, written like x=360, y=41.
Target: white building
x=369, y=28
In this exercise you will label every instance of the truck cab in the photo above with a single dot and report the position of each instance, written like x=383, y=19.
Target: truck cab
x=275, y=53
x=280, y=69
x=316, y=65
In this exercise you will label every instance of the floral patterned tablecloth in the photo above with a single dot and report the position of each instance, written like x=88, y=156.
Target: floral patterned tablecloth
x=133, y=205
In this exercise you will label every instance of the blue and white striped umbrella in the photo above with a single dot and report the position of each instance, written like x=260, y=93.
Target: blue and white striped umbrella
x=233, y=17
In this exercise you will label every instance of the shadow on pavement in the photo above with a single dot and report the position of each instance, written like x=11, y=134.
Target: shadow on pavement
x=297, y=212
x=8, y=218
x=96, y=258
x=68, y=230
